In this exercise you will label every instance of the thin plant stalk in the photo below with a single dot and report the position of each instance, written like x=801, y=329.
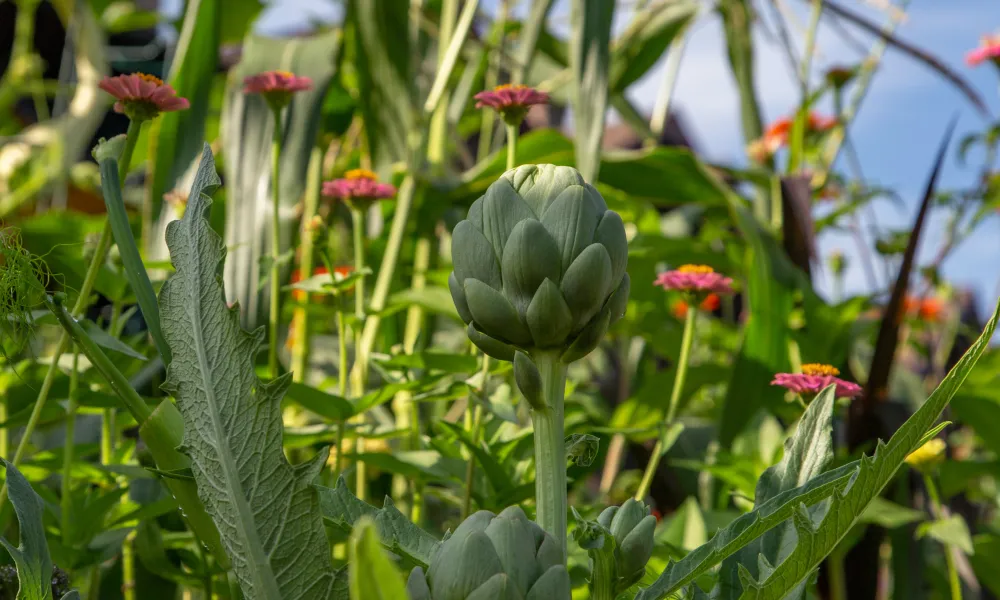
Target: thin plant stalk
x=339, y=461
x=128, y=567
x=511, y=146
x=954, y=583
x=89, y=279
x=360, y=363
x=838, y=582
x=274, y=304
x=490, y=81
x=66, y=485
x=301, y=346
x=797, y=142
x=341, y=350
x=550, y=449
x=108, y=442
x=682, y=365
x=475, y=430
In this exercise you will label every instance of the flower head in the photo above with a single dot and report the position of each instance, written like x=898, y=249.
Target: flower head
x=277, y=87
x=928, y=456
x=358, y=184
x=813, y=378
x=838, y=77
x=695, y=278
x=924, y=309
x=989, y=49
x=141, y=97
x=511, y=101
x=777, y=133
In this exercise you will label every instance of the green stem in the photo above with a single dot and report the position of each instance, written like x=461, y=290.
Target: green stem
x=797, y=144
x=341, y=352
x=550, y=449
x=603, y=578
x=682, y=365
x=954, y=583
x=838, y=584
x=108, y=441
x=300, y=349
x=100, y=253
x=475, y=431
x=511, y=146
x=661, y=110
x=360, y=371
x=358, y=221
x=339, y=462
x=66, y=485
x=274, y=306
x=128, y=567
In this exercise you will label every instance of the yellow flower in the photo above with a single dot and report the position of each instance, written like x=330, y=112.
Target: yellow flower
x=927, y=456
x=819, y=369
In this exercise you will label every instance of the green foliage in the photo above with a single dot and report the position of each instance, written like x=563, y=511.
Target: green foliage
x=34, y=565
x=21, y=288
x=590, y=57
x=266, y=510
x=372, y=574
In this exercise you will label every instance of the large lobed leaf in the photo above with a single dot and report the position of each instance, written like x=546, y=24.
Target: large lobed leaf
x=266, y=510
x=848, y=490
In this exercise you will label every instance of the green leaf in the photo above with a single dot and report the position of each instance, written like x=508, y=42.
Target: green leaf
x=322, y=403
x=372, y=574
x=646, y=39
x=103, y=339
x=985, y=560
x=950, y=531
x=436, y=361
x=890, y=515
x=31, y=556
x=237, y=19
x=807, y=452
x=247, y=132
x=495, y=472
x=854, y=484
x=582, y=448
x=590, y=39
x=341, y=509
x=176, y=137
x=266, y=510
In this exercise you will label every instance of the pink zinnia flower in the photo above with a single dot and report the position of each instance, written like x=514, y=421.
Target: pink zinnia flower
x=277, y=87
x=141, y=96
x=358, y=184
x=987, y=50
x=815, y=377
x=511, y=101
x=695, y=278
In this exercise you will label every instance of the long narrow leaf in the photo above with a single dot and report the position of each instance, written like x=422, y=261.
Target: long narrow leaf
x=266, y=510
x=451, y=56
x=31, y=556
x=589, y=54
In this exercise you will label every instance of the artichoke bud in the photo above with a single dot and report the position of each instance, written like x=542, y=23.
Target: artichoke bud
x=632, y=527
x=494, y=557
x=539, y=265
x=529, y=380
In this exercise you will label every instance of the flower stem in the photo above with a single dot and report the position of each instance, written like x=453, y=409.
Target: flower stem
x=274, y=304
x=360, y=371
x=128, y=567
x=550, y=449
x=682, y=365
x=66, y=485
x=838, y=584
x=475, y=429
x=300, y=348
x=100, y=253
x=954, y=583
x=511, y=146
x=339, y=462
x=341, y=352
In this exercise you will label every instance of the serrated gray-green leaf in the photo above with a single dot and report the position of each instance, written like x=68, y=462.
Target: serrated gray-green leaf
x=807, y=452
x=398, y=534
x=266, y=510
x=817, y=540
x=31, y=556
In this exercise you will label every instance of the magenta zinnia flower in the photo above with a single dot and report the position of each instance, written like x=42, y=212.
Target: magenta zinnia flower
x=815, y=377
x=695, y=278
x=511, y=101
x=141, y=96
x=358, y=184
x=989, y=49
x=277, y=87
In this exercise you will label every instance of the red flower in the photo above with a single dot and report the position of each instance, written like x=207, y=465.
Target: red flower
x=511, y=101
x=141, y=96
x=358, y=184
x=695, y=278
x=815, y=377
x=925, y=309
x=711, y=303
x=301, y=295
x=776, y=135
x=277, y=87
x=989, y=49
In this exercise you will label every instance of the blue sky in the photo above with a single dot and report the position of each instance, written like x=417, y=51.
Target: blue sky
x=896, y=132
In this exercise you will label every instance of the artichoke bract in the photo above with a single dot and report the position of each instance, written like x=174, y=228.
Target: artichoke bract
x=539, y=265
x=632, y=526
x=494, y=557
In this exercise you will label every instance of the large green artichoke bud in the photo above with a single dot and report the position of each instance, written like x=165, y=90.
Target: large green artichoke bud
x=494, y=557
x=539, y=265
x=632, y=527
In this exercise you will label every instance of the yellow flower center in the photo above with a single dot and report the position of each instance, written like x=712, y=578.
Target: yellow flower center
x=510, y=86
x=286, y=74
x=818, y=369
x=360, y=174
x=696, y=269
x=150, y=78
x=927, y=455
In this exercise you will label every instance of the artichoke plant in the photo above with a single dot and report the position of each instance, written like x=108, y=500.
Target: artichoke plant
x=539, y=276
x=494, y=557
x=632, y=526
x=539, y=265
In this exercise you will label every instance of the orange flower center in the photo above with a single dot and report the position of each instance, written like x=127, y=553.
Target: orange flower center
x=510, y=86
x=149, y=78
x=696, y=269
x=286, y=74
x=818, y=369
x=360, y=174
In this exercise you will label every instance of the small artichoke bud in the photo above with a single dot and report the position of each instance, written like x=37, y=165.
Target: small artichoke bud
x=529, y=380
x=494, y=557
x=539, y=265
x=632, y=526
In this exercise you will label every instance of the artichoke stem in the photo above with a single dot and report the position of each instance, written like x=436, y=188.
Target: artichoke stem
x=550, y=449
x=603, y=577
